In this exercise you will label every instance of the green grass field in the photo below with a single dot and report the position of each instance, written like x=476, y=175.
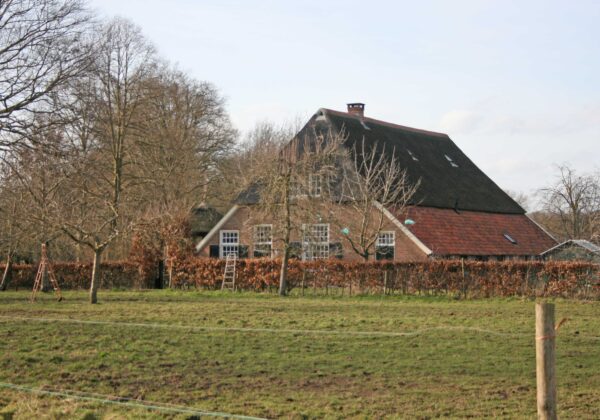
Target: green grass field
x=264, y=356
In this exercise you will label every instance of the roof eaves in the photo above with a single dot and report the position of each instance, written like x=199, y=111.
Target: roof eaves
x=216, y=228
x=403, y=229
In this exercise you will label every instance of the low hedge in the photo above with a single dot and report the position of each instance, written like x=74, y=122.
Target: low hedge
x=453, y=277
x=456, y=277
x=70, y=275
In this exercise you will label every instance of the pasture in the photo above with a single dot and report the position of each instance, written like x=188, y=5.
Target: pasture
x=174, y=354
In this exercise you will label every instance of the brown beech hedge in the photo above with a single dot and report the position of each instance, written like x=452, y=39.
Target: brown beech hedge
x=436, y=277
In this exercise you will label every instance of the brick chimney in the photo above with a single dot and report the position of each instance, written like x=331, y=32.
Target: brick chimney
x=357, y=109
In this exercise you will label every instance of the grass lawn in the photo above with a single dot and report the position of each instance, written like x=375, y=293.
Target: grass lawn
x=264, y=356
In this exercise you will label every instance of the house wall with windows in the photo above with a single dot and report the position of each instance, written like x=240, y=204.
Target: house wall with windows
x=247, y=234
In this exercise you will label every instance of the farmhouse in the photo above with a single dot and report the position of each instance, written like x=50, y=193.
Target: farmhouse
x=456, y=212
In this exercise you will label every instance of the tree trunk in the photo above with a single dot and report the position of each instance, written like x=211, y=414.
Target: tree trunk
x=95, y=276
x=6, y=276
x=160, y=278
x=283, y=273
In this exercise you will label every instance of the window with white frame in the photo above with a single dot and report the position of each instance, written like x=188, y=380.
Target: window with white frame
x=315, y=241
x=315, y=185
x=263, y=241
x=229, y=243
x=385, y=246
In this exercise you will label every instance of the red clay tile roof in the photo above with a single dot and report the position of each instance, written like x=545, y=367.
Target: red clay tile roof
x=447, y=232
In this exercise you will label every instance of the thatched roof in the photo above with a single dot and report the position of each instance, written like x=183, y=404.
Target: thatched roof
x=203, y=219
x=448, y=178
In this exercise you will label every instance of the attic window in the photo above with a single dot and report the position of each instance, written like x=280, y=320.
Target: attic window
x=449, y=159
x=510, y=239
x=412, y=155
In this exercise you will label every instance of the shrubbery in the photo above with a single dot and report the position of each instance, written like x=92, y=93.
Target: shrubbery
x=71, y=275
x=453, y=277
x=468, y=278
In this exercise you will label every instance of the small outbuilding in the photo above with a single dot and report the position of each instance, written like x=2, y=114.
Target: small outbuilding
x=574, y=249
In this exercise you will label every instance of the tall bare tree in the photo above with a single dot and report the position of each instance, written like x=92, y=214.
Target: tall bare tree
x=174, y=158
x=282, y=183
x=371, y=182
x=42, y=46
x=12, y=233
x=95, y=194
x=574, y=202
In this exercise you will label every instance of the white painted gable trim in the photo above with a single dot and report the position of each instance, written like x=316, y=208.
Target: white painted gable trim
x=216, y=228
x=403, y=229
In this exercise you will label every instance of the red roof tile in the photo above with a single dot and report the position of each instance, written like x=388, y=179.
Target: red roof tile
x=447, y=232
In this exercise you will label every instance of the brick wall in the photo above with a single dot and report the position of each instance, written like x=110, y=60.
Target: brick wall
x=245, y=218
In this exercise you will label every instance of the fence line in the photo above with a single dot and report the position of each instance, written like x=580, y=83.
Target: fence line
x=279, y=330
x=123, y=401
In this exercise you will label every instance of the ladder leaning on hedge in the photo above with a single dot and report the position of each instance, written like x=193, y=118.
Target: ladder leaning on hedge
x=229, y=274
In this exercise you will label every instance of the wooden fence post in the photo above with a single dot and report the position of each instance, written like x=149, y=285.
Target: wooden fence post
x=545, y=361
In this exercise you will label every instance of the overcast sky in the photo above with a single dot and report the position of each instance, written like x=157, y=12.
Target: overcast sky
x=516, y=84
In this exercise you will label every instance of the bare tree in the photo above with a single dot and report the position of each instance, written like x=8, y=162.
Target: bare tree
x=574, y=201
x=281, y=181
x=91, y=212
x=371, y=183
x=42, y=46
x=175, y=156
x=11, y=220
x=236, y=170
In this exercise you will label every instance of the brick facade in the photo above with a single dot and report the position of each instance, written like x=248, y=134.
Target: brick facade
x=246, y=217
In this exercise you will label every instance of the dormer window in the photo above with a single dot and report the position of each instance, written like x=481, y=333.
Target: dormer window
x=451, y=161
x=412, y=155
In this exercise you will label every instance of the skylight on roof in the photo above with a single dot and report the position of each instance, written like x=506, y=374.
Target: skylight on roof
x=510, y=239
x=412, y=155
x=449, y=159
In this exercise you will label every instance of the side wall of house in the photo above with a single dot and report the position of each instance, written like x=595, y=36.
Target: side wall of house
x=246, y=218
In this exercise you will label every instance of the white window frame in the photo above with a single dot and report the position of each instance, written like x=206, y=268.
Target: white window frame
x=315, y=249
x=315, y=185
x=387, y=242
x=386, y=239
x=229, y=246
x=259, y=242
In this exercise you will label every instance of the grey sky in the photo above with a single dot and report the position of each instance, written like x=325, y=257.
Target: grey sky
x=514, y=83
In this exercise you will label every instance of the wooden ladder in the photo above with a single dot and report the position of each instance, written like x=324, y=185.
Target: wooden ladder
x=45, y=266
x=229, y=274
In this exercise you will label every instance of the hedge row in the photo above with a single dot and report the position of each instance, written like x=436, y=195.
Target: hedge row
x=453, y=277
x=70, y=275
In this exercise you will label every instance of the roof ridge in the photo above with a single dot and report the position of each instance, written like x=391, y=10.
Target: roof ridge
x=389, y=124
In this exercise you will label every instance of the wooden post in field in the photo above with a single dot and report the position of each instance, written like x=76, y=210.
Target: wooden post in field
x=545, y=361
